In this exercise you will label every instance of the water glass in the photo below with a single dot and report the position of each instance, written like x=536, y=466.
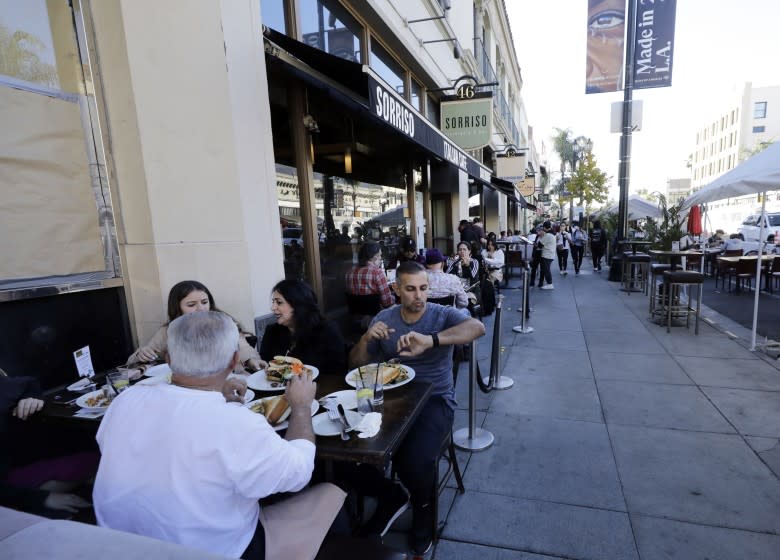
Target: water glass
x=119, y=380
x=364, y=391
x=379, y=388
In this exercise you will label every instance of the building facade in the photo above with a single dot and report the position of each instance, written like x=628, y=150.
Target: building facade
x=748, y=121
x=160, y=141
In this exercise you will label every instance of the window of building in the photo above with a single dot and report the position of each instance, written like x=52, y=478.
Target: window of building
x=432, y=110
x=417, y=95
x=273, y=14
x=732, y=116
x=759, y=110
x=759, y=129
x=327, y=26
x=387, y=67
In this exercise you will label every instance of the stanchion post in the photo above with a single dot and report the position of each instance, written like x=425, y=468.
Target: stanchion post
x=522, y=328
x=501, y=382
x=472, y=438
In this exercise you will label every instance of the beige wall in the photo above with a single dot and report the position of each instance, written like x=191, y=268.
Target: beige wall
x=189, y=132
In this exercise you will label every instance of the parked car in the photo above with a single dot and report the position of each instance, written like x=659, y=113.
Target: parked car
x=751, y=227
x=290, y=233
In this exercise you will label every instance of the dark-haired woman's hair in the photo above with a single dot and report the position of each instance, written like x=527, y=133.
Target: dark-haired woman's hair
x=306, y=312
x=181, y=291
x=491, y=242
x=367, y=252
x=466, y=243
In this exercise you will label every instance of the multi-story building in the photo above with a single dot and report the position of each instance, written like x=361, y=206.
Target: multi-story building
x=677, y=189
x=174, y=140
x=748, y=121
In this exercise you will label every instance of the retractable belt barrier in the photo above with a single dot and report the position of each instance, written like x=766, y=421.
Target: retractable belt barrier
x=494, y=379
x=472, y=438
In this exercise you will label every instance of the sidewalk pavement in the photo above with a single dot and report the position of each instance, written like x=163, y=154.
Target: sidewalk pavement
x=617, y=440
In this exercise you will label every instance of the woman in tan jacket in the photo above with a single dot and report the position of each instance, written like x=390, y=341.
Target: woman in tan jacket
x=187, y=297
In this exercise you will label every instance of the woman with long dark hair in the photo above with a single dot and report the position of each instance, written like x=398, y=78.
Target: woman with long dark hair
x=301, y=331
x=189, y=296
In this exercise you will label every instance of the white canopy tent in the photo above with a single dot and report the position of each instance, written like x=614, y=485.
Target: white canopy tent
x=638, y=208
x=757, y=174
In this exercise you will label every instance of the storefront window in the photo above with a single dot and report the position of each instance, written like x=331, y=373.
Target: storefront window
x=432, y=110
x=327, y=26
x=417, y=95
x=272, y=14
x=387, y=68
x=38, y=45
x=290, y=221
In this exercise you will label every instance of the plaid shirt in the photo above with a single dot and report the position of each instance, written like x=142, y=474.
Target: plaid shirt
x=366, y=280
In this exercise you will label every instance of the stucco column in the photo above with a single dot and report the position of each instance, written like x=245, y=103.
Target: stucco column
x=190, y=137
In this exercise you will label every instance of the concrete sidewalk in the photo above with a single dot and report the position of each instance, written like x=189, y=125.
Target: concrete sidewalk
x=618, y=440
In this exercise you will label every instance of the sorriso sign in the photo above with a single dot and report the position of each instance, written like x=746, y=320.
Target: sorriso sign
x=468, y=122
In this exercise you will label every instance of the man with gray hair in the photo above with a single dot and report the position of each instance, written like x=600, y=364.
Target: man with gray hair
x=182, y=465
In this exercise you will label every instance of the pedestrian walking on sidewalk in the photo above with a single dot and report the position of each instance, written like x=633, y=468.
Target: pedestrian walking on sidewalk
x=562, y=244
x=578, y=240
x=547, y=242
x=536, y=253
x=598, y=244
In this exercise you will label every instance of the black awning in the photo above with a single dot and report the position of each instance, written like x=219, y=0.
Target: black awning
x=508, y=188
x=358, y=85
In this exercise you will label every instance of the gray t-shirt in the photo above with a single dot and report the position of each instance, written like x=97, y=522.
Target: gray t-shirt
x=434, y=365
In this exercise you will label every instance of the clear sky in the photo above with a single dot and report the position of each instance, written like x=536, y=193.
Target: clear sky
x=719, y=45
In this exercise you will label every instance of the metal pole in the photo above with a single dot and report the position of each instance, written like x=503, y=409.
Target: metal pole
x=758, y=272
x=472, y=438
x=522, y=328
x=625, y=138
x=501, y=381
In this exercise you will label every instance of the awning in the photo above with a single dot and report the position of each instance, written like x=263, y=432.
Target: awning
x=508, y=188
x=358, y=85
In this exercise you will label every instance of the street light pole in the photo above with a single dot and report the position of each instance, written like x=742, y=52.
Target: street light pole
x=625, y=138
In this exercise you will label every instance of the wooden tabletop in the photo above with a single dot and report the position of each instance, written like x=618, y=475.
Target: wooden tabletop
x=764, y=258
x=401, y=408
x=665, y=253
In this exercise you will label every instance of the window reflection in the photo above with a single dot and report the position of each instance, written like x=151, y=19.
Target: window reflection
x=387, y=68
x=327, y=26
x=432, y=110
x=38, y=44
x=272, y=13
x=417, y=96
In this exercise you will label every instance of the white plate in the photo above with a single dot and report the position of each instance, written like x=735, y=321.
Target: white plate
x=81, y=384
x=315, y=406
x=82, y=401
x=324, y=426
x=347, y=398
x=350, y=378
x=160, y=370
x=259, y=381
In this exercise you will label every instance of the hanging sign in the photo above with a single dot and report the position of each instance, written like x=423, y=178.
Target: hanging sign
x=654, y=43
x=468, y=120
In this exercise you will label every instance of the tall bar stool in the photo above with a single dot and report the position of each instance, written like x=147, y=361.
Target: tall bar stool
x=636, y=267
x=674, y=280
x=656, y=270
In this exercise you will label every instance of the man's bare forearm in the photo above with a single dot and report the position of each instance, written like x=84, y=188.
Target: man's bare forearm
x=300, y=424
x=359, y=355
x=462, y=333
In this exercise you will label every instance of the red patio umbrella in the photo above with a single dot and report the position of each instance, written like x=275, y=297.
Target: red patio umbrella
x=694, y=220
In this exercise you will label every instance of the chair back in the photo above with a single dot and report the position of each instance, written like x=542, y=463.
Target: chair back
x=446, y=300
x=363, y=304
x=746, y=267
x=775, y=265
x=514, y=258
x=732, y=253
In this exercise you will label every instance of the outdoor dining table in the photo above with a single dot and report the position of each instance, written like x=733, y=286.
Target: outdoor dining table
x=766, y=260
x=402, y=406
x=634, y=243
x=674, y=257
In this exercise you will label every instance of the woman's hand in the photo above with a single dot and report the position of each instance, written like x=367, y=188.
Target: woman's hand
x=65, y=502
x=27, y=407
x=147, y=354
x=254, y=364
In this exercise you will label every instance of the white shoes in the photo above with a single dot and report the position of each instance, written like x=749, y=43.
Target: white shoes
x=547, y=287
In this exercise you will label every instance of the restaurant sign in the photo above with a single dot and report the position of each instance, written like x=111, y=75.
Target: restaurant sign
x=512, y=169
x=468, y=122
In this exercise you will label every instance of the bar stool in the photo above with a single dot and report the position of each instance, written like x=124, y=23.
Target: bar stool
x=656, y=270
x=635, y=270
x=674, y=280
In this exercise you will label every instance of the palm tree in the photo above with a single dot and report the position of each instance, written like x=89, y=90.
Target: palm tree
x=19, y=58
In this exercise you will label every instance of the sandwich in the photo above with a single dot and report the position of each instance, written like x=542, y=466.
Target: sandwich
x=282, y=368
x=389, y=374
x=273, y=408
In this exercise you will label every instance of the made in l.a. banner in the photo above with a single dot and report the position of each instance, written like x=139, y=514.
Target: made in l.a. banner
x=654, y=43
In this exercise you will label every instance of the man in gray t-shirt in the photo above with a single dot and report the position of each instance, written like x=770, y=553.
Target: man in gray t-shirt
x=420, y=334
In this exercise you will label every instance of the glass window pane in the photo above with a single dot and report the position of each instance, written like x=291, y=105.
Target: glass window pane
x=272, y=13
x=417, y=96
x=38, y=44
x=327, y=26
x=432, y=110
x=387, y=68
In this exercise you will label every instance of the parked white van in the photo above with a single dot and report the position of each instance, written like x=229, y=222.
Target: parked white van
x=751, y=227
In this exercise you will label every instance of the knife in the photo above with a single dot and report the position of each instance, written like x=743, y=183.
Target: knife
x=345, y=427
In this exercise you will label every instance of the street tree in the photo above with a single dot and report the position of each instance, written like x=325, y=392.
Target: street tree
x=19, y=58
x=589, y=184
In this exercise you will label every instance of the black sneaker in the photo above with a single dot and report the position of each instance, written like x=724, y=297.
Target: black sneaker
x=422, y=529
x=389, y=508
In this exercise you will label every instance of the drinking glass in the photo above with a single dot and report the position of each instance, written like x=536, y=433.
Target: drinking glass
x=364, y=391
x=379, y=387
x=119, y=380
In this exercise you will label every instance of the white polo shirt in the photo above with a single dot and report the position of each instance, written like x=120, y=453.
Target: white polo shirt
x=184, y=466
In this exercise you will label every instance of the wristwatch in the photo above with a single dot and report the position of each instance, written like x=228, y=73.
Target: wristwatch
x=435, y=337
